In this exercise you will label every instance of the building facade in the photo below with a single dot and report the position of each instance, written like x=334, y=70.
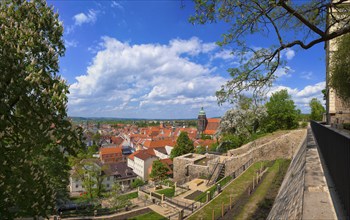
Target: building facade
x=337, y=110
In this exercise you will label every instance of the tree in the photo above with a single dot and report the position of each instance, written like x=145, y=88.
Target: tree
x=317, y=110
x=340, y=68
x=35, y=133
x=92, y=174
x=183, y=146
x=137, y=183
x=159, y=171
x=289, y=23
x=243, y=120
x=281, y=112
x=117, y=200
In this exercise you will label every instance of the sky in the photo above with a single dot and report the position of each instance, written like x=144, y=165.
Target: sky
x=143, y=59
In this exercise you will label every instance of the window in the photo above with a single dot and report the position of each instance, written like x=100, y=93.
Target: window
x=107, y=185
x=76, y=186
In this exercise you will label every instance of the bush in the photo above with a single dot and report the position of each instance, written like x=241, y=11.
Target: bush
x=346, y=126
x=137, y=183
x=303, y=124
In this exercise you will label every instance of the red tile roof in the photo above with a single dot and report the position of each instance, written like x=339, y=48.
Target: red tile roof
x=142, y=154
x=117, y=140
x=212, y=126
x=158, y=143
x=110, y=150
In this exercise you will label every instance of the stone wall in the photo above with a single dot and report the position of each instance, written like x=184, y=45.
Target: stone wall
x=290, y=195
x=180, y=169
x=282, y=145
x=196, y=171
x=278, y=145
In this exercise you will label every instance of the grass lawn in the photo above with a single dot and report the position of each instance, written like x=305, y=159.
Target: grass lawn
x=149, y=216
x=168, y=192
x=203, y=196
x=235, y=189
x=273, y=178
x=130, y=195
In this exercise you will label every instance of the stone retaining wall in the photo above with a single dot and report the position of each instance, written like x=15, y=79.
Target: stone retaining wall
x=283, y=146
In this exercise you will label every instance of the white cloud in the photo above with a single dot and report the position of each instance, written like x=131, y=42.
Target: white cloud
x=146, y=80
x=224, y=54
x=193, y=46
x=302, y=97
x=284, y=72
x=82, y=18
x=71, y=43
x=289, y=54
x=115, y=4
x=306, y=75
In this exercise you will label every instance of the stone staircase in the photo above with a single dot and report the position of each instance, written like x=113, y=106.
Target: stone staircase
x=217, y=173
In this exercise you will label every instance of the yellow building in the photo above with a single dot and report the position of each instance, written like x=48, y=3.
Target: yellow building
x=338, y=110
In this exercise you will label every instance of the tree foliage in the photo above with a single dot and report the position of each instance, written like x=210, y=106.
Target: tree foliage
x=137, y=183
x=317, y=110
x=159, y=171
x=340, y=68
x=35, y=134
x=92, y=174
x=244, y=119
x=289, y=23
x=184, y=145
x=281, y=111
x=117, y=200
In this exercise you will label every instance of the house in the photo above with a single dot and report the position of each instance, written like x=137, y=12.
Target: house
x=163, y=152
x=140, y=161
x=117, y=172
x=111, y=154
x=158, y=143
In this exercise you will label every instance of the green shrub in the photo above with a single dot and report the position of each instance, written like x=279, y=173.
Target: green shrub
x=137, y=183
x=346, y=126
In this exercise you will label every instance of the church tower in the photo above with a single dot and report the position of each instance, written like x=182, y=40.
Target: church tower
x=202, y=122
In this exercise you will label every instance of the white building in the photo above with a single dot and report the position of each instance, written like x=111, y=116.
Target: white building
x=110, y=172
x=140, y=162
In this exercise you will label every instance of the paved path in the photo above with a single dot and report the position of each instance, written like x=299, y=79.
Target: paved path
x=317, y=200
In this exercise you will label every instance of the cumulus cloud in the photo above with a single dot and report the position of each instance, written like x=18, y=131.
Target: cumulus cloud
x=289, y=54
x=146, y=80
x=284, y=72
x=70, y=43
x=83, y=18
x=302, y=97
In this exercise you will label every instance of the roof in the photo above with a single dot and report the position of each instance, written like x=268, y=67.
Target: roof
x=161, y=150
x=142, y=154
x=117, y=140
x=204, y=143
x=212, y=126
x=201, y=112
x=158, y=143
x=119, y=169
x=110, y=150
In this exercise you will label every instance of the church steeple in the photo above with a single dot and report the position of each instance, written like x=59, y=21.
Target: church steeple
x=202, y=122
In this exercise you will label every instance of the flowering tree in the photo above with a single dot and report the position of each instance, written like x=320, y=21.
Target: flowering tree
x=35, y=133
x=244, y=120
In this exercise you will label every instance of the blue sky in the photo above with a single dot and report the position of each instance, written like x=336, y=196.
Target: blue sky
x=143, y=59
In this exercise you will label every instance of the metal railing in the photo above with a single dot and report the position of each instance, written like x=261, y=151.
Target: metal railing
x=335, y=149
